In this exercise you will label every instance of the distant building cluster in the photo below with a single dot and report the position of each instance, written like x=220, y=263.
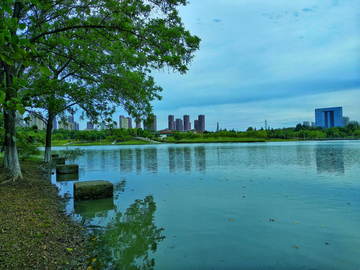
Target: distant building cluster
x=70, y=125
x=185, y=124
x=125, y=122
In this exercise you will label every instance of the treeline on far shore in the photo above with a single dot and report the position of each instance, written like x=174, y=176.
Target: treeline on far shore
x=32, y=136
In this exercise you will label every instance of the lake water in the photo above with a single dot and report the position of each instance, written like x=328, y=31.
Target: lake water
x=283, y=205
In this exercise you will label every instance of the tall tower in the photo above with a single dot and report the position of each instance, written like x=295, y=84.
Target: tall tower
x=129, y=122
x=171, y=123
x=179, y=124
x=123, y=122
x=154, y=125
x=201, y=122
x=138, y=122
x=71, y=119
x=187, y=122
x=55, y=124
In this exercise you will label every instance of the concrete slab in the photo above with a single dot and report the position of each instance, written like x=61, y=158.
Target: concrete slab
x=96, y=189
x=67, y=169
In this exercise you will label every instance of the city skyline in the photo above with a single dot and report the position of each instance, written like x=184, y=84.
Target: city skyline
x=260, y=60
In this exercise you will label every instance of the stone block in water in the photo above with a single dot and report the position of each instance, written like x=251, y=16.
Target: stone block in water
x=67, y=169
x=58, y=160
x=93, y=190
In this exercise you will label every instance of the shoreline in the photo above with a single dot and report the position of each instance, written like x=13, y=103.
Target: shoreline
x=35, y=231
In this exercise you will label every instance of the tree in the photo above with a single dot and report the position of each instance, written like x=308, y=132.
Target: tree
x=99, y=54
x=14, y=55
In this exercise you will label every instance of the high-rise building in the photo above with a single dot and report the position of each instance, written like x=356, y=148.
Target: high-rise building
x=313, y=124
x=187, y=125
x=306, y=123
x=346, y=121
x=76, y=126
x=71, y=119
x=89, y=126
x=123, y=122
x=129, y=122
x=35, y=120
x=171, y=122
x=329, y=117
x=196, y=125
x=201, y=122
x=178, y=124
x=154, y=125
x=54, y=124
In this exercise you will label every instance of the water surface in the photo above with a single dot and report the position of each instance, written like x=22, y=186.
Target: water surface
x=284, y=205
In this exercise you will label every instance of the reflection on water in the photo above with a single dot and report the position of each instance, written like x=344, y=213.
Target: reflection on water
x=94, y=208
x=185, y=158
x=128, y=238
x=330, y=160
x=224, y=206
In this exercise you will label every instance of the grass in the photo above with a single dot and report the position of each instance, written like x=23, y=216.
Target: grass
x=34, y=231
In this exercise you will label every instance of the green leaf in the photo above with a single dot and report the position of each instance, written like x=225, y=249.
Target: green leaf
x=2, y=40
x=6, y=33
x=2, y=97
x=26, y=63
x=45, y=69
x=14, y=22
x=7, y=60
x=21, y=109
x=70, y=249
x=35, y=2
x=7, y=8
x=14, y=39
x=32, y=48
x=22, y=82
x=14, y=138
x=22, y=26
x=24, y=41
x=17, y=56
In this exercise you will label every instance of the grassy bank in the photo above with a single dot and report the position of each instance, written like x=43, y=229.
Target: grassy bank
x=34, y=231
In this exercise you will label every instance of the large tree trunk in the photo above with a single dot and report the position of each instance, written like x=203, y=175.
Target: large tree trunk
x=11, y=159
x=49, y=126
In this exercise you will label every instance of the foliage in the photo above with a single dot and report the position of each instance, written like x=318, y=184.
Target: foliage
x=72, y=154
x=95, y=54
x=28, y=142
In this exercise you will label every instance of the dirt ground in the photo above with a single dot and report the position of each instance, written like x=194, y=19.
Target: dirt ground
x=35, y=232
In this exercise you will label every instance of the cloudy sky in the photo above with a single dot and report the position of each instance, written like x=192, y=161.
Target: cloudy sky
x=275, y=60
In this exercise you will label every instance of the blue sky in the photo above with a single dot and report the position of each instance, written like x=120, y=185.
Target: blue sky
x=258, y=59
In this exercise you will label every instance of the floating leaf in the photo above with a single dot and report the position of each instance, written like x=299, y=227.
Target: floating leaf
x=230, y=219
x=296, y=247
x=296, y=223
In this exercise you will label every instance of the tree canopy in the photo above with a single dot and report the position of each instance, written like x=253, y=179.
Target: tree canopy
x=94, y=54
